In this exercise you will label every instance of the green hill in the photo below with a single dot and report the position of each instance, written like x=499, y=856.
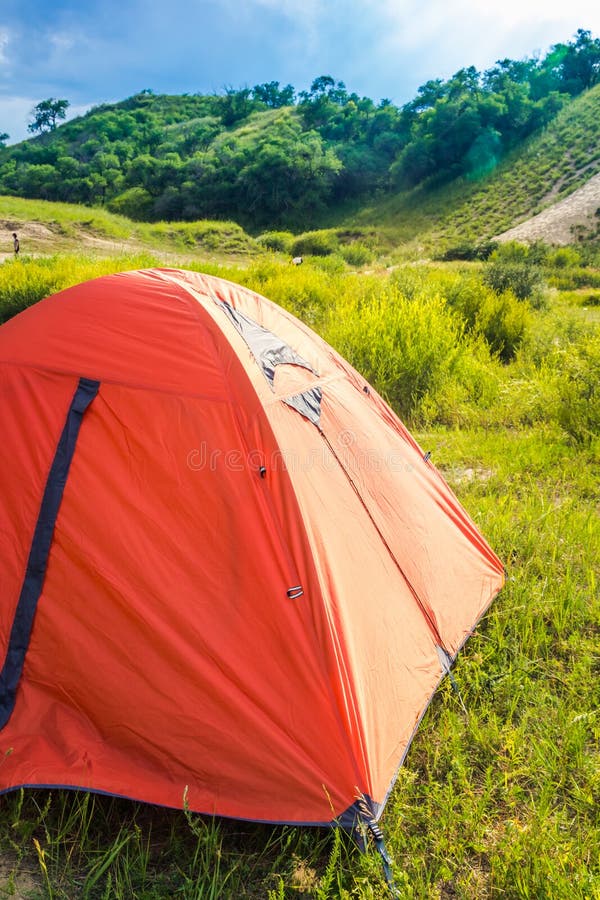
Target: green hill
x=545, y=169
x=463, y=161
x=267, y=158
x=428, y=219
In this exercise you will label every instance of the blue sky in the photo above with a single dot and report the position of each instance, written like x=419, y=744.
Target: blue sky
x=94, y=51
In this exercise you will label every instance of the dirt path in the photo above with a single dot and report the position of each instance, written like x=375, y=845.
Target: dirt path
x=36, y=238
x=560, y=222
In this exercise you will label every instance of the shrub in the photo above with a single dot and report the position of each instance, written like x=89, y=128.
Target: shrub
x=500, y=318
x=414, y=352
x=564, y=258
x=135, y=203
x=469, y=250
x=522, y=278
x=578, y=389
x=514, y=252
x=315, y=243
x=226, y=237
x=414, y=281
x=333, y=264
x=305, y=291
x=511, y=251
x=279, y=241
x=357, y=254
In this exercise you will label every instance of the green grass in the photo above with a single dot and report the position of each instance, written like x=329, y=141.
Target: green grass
x=68, y=224
x=496, y=799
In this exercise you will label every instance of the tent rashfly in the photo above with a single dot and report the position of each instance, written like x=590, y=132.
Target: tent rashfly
x=227, y=570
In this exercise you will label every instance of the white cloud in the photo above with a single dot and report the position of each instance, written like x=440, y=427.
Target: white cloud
x=417, y=41
x=415, y=23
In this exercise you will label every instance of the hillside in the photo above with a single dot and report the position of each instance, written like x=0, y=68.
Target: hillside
x=268, y=158
x=547, y=189
x=546, y=169
x=47, y=228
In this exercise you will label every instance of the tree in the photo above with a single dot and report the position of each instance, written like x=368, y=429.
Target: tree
x=581, y=63
x=3, y=138
x=274, y=96
x=236, y=105
x=326, y=87
x=46, y=114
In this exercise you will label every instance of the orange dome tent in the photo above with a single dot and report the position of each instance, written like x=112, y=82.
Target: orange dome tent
x=227, y=570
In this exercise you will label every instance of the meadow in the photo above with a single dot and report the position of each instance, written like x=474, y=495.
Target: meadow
x=495, y=367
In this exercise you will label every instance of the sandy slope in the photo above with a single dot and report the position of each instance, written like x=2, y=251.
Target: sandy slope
x=560, y=222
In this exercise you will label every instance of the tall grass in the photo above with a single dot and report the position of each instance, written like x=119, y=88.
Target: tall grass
x=496, y=799
x=25, y=281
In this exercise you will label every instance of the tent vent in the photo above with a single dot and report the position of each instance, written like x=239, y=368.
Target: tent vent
x=267, y=349
x=308, y=404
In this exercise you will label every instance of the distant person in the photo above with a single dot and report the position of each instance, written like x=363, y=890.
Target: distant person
x=16, y=244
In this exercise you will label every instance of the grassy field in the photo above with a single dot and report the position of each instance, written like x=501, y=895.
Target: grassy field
x=500, y=793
